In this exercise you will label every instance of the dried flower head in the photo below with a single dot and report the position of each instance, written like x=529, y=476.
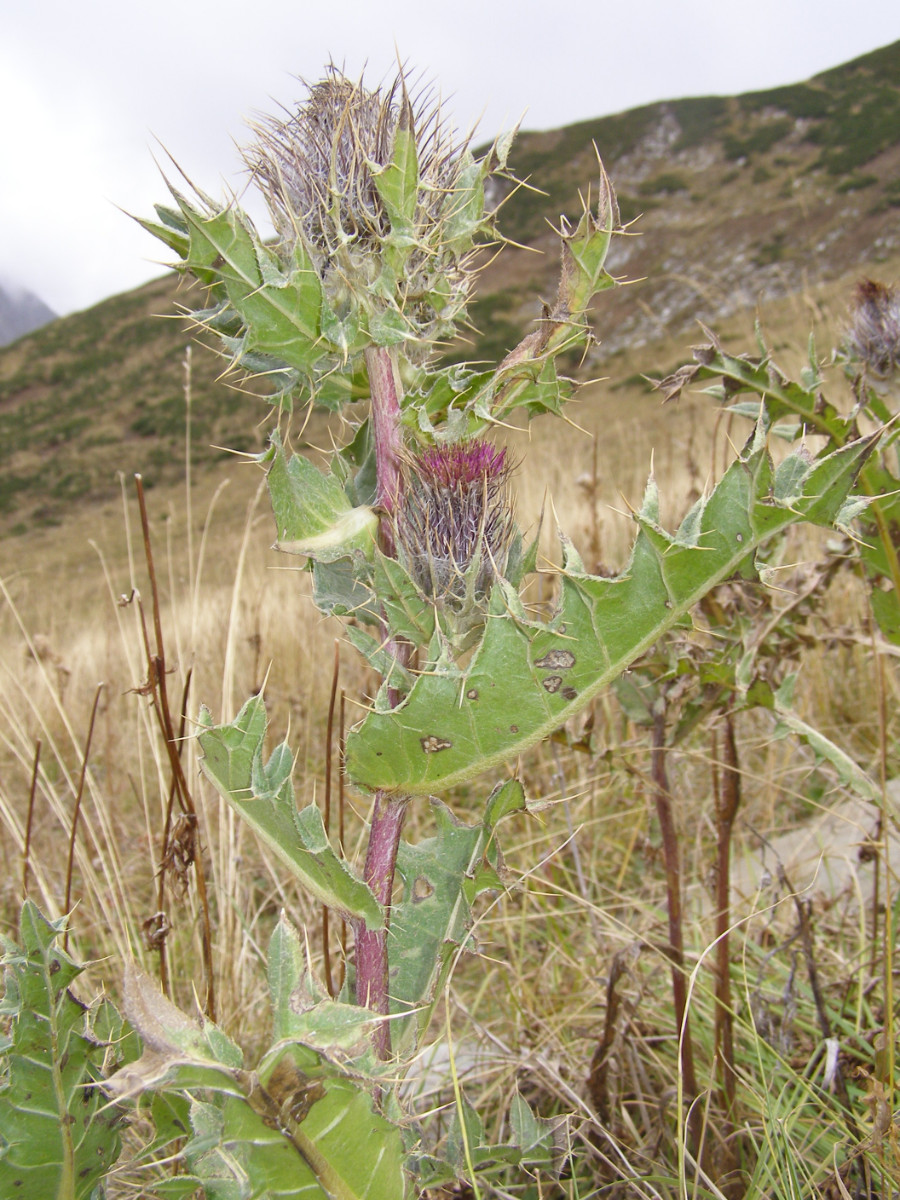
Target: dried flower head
x=454, y=525
x=385, y=200
x=874, y=334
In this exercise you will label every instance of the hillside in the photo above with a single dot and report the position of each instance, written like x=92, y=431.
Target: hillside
x=735, y=202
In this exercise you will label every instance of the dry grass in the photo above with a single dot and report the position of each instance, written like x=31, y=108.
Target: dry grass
x=530, y=1010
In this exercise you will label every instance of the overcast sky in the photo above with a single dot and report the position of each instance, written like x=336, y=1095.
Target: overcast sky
x=88, y=91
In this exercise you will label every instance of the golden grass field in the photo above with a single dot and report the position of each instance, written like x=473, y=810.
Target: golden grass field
x=529, y=1009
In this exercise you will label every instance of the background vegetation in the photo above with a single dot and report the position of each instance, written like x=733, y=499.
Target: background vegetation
x=566, y=998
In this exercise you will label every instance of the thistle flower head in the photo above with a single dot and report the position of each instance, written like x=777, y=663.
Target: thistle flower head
x=454, y=525
x=874, y=334
x=317, y=167
x=385, y=200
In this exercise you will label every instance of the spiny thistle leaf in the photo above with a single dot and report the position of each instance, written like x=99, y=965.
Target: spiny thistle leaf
x=527, y=678
x=305, y=1016
x=807, y=409
x=268, y=1133
x=442, y=876
x=313, y=516
x=255, y=1145
x=264, y=796
x=58, y=1135
x=782, y=397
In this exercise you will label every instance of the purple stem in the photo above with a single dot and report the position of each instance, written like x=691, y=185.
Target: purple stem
x=371, y=945
x=385, y=386
x=387, y=811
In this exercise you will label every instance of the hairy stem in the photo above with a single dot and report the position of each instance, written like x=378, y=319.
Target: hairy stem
x=371, y=945
x=387, y=811
x=384, y=382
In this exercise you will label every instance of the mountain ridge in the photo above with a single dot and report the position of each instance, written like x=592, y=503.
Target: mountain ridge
x=21, y=312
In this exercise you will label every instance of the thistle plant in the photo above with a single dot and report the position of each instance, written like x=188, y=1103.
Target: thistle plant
x=410, y=535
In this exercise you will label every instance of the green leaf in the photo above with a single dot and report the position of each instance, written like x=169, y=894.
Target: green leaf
x=58, y=1134
x=171, y=229
x=264, y=1144
x=531, y=1135
x=527, y=679
x=264, y=796
x=394, y=674
x=338, y=590
x=465, y=1135
x=398, y=182
x=782, y=397
x=303, y=1011
x=389, y=327
x=877, y=551
x=282, y=1134
x=441, y=877
x=408, y=614
x=464, y=205
x=585, y=249
x=850, y=774
x=281, y=312
x=286, y=971
x=313, y=515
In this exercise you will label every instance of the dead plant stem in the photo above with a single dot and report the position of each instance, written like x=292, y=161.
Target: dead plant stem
x=156, y=684
x=73, y=832
x=32, y=792
x=728, y=800
x=164, y=850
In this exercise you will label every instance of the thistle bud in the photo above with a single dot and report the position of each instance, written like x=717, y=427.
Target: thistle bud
x=874, y=334
x=454, y=525
x=386, y=203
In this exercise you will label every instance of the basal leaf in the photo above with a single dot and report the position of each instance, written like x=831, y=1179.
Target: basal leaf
x=58, y=1134
x=303, y=1011
x=267, y=1143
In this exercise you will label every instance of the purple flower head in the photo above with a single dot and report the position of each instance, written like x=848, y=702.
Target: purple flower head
x=874, y=334
x=454, y=524
x=465, y=463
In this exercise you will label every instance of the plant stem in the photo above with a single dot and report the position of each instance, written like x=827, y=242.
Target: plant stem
x=728, y=799
x=371, y=945
x=672, y=860
x=388, y=811
x=384, y=382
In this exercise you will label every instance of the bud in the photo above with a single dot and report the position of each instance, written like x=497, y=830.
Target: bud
x=386, y=203
x=874, y=334
x=315, y=168
x=454, y=525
